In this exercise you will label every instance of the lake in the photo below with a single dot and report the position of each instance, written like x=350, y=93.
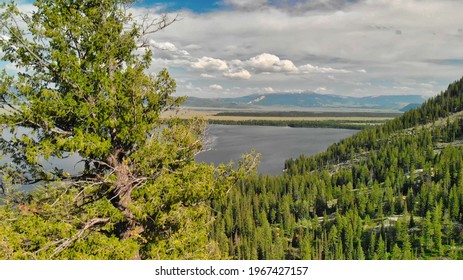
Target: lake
x=276, y=144
x=229, y=142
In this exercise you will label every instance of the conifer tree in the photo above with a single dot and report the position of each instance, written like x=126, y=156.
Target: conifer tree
x=82, y=88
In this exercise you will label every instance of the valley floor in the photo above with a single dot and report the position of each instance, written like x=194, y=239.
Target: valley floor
x=343, y=119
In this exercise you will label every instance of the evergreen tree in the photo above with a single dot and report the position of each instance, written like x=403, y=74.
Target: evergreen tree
x=82, y=88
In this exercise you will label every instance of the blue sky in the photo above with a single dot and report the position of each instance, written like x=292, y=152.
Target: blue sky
x=204, y=6
x=199, y=6
x=227, y=48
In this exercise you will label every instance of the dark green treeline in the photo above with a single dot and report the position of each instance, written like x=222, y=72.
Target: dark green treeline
x=393, y=191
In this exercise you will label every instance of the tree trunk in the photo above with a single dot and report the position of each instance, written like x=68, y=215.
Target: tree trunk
x=121, y=198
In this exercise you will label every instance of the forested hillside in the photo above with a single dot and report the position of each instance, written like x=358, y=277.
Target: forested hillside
x=393, y=191
x=81, y=88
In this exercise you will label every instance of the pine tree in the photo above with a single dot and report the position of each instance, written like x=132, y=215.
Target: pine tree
x=82, y=88
x=396, y=252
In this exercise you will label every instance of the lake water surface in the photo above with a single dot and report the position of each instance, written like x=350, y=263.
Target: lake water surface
x=228, y=142
x=276, y=144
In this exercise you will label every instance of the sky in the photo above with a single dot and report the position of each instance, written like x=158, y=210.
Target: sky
x=230, y=48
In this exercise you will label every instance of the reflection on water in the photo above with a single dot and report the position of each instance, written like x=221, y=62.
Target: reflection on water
x=276, y=144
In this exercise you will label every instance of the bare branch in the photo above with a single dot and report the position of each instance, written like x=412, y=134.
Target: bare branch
x=150, y=26
x=66, y=242
x=158, y=24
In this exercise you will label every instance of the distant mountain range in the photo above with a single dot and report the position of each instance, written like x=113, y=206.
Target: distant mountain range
x=309, y=101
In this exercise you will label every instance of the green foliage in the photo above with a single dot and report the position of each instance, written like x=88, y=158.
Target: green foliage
x=83, y=88
x=392, y=191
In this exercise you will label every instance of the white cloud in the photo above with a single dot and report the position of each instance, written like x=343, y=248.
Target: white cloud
x=268, y=90
x=204, y=75
x=240, y=74
x=167, y=54
x=353, y=42
x=266, y=62
x=321, y=90
x=309, y=68
x=163, y=45
x=216, y=87
x=210, y=64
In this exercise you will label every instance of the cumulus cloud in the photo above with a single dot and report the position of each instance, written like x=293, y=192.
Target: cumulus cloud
x=167, y=54
x=210, y=64
x=239, y=74
x=230, y=69
x=216, y=87
x=266, y=62
x=335, y=39
x=169, y=48
x=163, y=45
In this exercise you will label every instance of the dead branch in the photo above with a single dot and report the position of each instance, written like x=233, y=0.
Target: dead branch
x=66, y=242
x=150, y=26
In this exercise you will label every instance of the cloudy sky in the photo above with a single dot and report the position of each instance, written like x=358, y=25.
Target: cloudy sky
x=346, y=47
x=227, y=48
